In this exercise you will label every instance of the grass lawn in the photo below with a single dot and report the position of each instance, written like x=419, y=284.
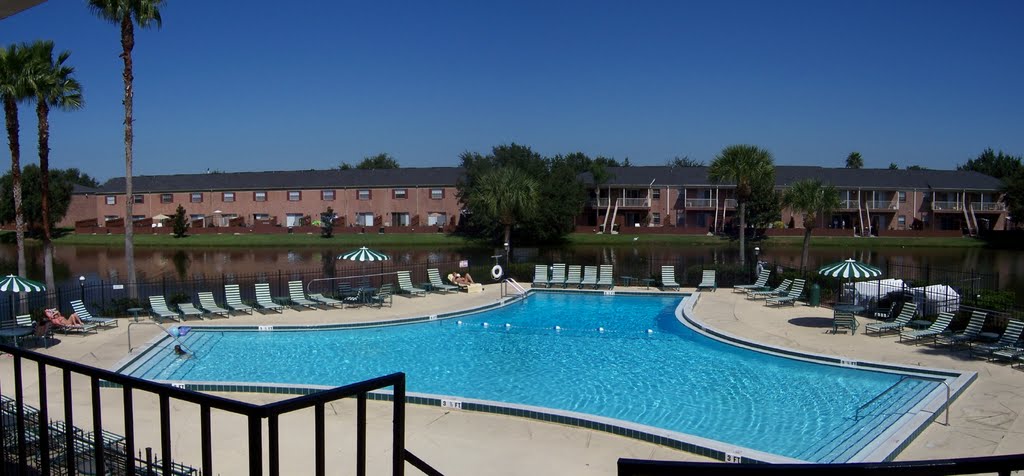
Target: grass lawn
x=437, y=239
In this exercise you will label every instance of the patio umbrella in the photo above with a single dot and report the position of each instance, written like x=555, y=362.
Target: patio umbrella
x=850, y=270
x=18, y=284
x=364, y=254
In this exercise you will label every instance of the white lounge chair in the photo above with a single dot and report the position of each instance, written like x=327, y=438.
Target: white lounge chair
x=264, y=300
x=326, y=301
x=668, y=278
x=187, y=309
x=969, y=334
x=790, y=298
x=574, y=278
x=557, y=275
x=434, y=275
x=606, y=279
x=405, y=285
x=933, y=331
x=540, y=276
x=160, y=309
x=207, y=302
x=298, y=296
x=233, y=299
x=589, y=276
x=83, y=313
x=907, y=314
x=759, y=284
x=779, y=291
x=708, y=280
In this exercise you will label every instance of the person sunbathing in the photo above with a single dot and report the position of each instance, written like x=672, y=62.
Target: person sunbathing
x=55, y=316
x=463, y=279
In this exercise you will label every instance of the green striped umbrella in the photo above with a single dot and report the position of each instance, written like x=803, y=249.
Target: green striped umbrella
x=364, y=254
x=850, y=269
x=18, y=284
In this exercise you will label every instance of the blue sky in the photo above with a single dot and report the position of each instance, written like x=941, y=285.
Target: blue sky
x=266, y=85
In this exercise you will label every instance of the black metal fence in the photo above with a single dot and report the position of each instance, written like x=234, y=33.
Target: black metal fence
x=33, y=443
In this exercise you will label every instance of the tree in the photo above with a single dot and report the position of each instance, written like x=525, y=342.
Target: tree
x=601, y=176
x=327, y=223
x=53, y=86
x=179, y=222
x=126, y=14
x=1013, y=191
x=1000, y=166
x=684, y=161
x=765, y=205
x=507, y=194
x=379, y=161
x=916, y=167
x=59, y=191
x=76, y=176
x=742, y=165
x=14, y=87
x=854, y=161
x=345, y=166
x=813, y=199
x=893, y=166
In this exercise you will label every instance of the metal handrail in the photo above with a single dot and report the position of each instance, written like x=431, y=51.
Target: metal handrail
x=856, y=414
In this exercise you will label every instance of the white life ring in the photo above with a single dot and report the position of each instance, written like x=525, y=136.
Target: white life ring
x=496, y=271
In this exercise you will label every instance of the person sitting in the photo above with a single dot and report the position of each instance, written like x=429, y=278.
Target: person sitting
x=55, y=317
x=463, y=280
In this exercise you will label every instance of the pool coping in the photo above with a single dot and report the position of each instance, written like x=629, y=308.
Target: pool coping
x=894, y=442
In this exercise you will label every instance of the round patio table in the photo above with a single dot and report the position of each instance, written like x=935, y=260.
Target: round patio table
x=852, y=308
x=134, y=311
x=16, y=332
x=919, y=324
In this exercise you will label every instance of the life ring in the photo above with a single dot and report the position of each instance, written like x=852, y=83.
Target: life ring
x=496, y=271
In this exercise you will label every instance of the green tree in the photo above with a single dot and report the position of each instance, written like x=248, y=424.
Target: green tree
x=917, y=167
x=60, y=187
x=327, y=223
x=765, y=206
x=1000, y=166
x=742, y=165
x=893, y=166
x=684, y=161
x=53, y=86
x=379, y=161
x=126, y=14
x=76, y=176
x=813, y=199
x=854, y=161
x=15, y=86
x=179, y=222
x=345, y=166
x=507, y=194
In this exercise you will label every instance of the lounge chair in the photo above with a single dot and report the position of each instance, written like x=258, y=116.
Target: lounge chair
x=707, y=280
x=345, y=291
x=405, y=285
x=207, y=302
x=298, y=296
x=606, y=279
x=1008, y=353
x=233, y=299
x=264, y=300
x=969, y=334
x=844, y=320
x=1008, y=340
x=575, y=277
x=326, y=301
x=668, y=278
x=790, y=298
x=933, y=331
x=779, y=291
x=187, y=309
x=883, y=313
x=540, y=276
x=589, y=276
x=160, y=309
x=557, y=275
x=434, y=275
x=382, y=295
x=906, y=315
x=761, y=283
x=86, y=317
x=60, y=323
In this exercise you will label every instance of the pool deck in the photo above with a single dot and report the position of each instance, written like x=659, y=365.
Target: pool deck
x=983, y=421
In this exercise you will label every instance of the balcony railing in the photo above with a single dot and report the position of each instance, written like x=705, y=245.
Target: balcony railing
x=730, y=203
x=634, y=203
x=701, y=203
x=947, y=206
x=848, y=204
x=988, y=207
x=599, y=202
x=881, y=205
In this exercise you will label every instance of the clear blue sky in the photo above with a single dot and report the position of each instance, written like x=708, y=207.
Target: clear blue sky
x=268, y=85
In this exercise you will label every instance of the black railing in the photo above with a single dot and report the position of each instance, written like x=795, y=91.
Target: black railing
x=29, y=437
x=1001, y=465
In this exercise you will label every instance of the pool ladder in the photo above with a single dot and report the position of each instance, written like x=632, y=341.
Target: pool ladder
x=856, y=414
x=507, y=283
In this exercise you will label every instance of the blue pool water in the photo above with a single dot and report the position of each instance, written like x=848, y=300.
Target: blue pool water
x=671, y=378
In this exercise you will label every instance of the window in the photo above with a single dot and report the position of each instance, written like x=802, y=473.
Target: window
x=226, y=218
x=228, y=196
x=136, y=218
x=259, y=196
x=111, y=200
x=327, y=195
x=166, y=197
x=400, y=219
x=363, y=194
x=903, y=197
x=436, y=193
x=656, y=218
x=294, y=196
x=364, y=219
x=197, y=220
x=902, y=222
x=196, y=197
x=260, y=216
x=138, y=199
x=107, y=218
x=437, y=219
x=293, y=219
x=400, y=193
x=656, y=193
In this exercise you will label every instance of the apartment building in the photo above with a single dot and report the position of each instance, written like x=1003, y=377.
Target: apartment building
x=404, y=198
x=873, y=200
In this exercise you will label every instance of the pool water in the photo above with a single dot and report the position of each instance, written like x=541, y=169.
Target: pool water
x=623, y=357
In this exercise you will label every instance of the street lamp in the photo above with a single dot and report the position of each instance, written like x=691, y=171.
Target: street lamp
x=81, y=285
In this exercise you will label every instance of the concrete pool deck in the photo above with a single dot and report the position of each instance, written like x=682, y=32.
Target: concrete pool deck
x=984, y=420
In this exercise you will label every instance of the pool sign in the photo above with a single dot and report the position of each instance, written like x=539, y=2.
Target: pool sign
x=464, y=263
x=453, y=404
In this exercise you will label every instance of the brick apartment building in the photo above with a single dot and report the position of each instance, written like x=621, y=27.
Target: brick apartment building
x=642, y=199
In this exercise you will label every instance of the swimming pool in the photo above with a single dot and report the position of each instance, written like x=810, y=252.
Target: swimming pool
x=616, y=356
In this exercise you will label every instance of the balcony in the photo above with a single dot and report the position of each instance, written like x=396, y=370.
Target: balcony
x=881, y=205
x=989, y=207
x=620, y=202
x=849, y=204
x=730, y=203
x=701, y=203
x=946, y=206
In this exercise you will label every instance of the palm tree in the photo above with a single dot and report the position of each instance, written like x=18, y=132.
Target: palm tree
x=601, y=176
x=508, y=194
x=813, y=199
x=743, y=165
x=854, y=161
x=14, y=87
x=126, y=13
x=53, y=86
